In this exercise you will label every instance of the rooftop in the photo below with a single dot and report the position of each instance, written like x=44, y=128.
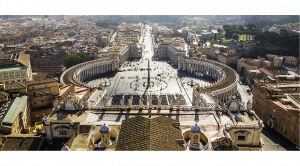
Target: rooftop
x=11, y=68
x=156, y=134
x=16, y=108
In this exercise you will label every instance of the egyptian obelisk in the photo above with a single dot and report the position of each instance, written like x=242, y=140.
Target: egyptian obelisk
x=148, y=81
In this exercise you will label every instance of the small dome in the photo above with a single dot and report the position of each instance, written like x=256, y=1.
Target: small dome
x=195, y=129
x=104, y=129
x=65, y=148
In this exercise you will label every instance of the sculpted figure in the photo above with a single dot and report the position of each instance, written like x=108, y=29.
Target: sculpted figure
x=141, y=103
x=104, y=101
x=129, y=102
x=122, y=103
x=197, y=104
x=150, y=101
x=171, y=103
x=178, y=102
x=159, y=102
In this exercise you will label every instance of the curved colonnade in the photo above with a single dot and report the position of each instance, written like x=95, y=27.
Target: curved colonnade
x=80, y=72
x=225, y=84
x=226, y=78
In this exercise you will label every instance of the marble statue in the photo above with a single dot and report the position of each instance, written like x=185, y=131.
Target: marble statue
x=159, y=102
x=130, y=102
x=150, y=101
x=178, y=102
x=122, y=103
x=171, y=103
x=141, y=103
x=197, y=104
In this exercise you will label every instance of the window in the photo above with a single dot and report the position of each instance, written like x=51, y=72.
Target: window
x=104, y=137
x=278, y=117
x=287, y=124
x=195, y=140
x=294, y=119
x=297, y=131
x=289, y=115
x=63, y=132
x=32, y=87
x=283, y=121
x=241, y=138
x=292, y=127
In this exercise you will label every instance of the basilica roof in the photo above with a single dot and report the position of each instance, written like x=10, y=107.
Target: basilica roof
x=158, y=134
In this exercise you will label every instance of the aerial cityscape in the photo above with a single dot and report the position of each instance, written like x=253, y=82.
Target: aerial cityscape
x=149, y=83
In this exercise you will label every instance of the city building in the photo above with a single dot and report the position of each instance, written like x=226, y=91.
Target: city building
x=42, y=92
x=15, y=68
x=228, y=57
x=277, y=107
x=290, y=60
x=171, y=48
x=15, y=116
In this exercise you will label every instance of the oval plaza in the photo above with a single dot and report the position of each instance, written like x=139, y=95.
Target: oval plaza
x=145, y=79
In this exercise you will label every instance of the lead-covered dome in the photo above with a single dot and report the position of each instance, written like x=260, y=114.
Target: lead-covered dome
x=104, y=129
x=195, y=129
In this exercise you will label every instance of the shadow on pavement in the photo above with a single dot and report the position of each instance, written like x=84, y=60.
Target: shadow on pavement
x=277, y=138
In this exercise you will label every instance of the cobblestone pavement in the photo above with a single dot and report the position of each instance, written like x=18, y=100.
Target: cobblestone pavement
x=273, y=141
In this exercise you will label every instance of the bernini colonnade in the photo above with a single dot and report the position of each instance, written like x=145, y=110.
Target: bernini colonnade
x=226, y=78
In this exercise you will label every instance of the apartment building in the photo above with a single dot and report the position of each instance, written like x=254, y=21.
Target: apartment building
x=276, y=106
x=15, y=116
x=171, y=48
x=42, y=92
x=15, y=68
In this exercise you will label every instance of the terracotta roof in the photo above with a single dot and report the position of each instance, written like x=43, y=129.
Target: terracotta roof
x=4, y=94
x=20, y=143
x=24, y=59
x=158, y=134
x=15, y=86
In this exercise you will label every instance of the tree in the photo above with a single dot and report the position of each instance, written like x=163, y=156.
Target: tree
x=267, y=28
x=178, y=22
x=74, y=59
x=219, y=30
x=241, y=28
x=189, y=24
x=251, y=27
x=235, y=36
x=283, y=32
x=184, y=24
